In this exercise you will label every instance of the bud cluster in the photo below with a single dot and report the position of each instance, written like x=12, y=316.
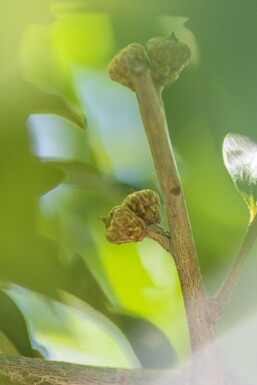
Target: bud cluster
x=166, y=58
x=126, y=63
x=128, y=222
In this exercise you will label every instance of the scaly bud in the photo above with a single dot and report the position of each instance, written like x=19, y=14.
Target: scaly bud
x=145, y=204
x=167, y=58
x=129, y=61
x=123, y=226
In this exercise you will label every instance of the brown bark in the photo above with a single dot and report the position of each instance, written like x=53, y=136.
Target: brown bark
x=33, y=371
x=182, y=248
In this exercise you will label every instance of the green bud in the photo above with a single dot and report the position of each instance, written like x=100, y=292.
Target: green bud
x=167, y=58
x=123, y=226
x=145, y=204
x=128, y=62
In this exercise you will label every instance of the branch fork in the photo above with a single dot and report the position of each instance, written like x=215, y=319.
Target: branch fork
x=146, y=72
x=148, y=83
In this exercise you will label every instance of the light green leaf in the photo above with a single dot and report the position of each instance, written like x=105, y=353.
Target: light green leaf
x=240, y=158
x=51, y=52
x=73, y=331
x=104, y=327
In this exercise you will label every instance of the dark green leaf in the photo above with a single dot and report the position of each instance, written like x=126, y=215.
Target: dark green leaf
x=78, y=173
x=6, y=346
x=40, y=101
x=150, y=344
x=85, y=175
x=49, y=178
x=13, y=325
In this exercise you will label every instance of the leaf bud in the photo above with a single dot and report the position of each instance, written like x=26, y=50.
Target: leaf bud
x=123, y=226
x=145, y=204
x=167, y=57
x=130, y=61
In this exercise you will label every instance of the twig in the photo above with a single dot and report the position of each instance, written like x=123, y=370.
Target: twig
x=182, y=248
x=160, y=236
x=131, y=68
x=222, y=297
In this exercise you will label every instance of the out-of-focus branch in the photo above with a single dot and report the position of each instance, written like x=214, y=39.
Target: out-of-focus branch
x=222, y=297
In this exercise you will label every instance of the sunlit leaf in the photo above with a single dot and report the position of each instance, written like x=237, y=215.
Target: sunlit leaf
x=103, y=323
x=240, y=158
x=51, y=51
x=74, y=331
x=150, y=344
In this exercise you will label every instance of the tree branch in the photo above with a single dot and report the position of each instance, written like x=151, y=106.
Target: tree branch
x=146, y=74
x=33, y=371
x=182, y=247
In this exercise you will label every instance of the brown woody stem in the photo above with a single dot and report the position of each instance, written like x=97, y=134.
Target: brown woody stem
x=182, y=248
x=160, y=236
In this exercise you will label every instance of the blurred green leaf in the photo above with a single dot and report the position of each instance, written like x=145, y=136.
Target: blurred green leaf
x=49, y=178
x=25, y=258
x=150, y=344
x=41, y=102
x=13, y=326
x=114, y=6
x=86, y=175
x=50, y=52
x=6, y=346
x=75, y=330
x=240, y=158
x=103, y=323
x=78, y=173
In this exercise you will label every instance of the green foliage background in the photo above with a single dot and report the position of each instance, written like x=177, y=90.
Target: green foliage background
x=74, y=295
